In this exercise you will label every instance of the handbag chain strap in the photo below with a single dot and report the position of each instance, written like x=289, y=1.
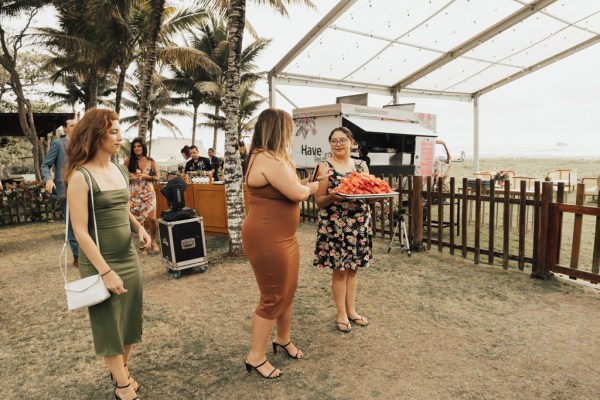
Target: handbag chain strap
x=65, y=250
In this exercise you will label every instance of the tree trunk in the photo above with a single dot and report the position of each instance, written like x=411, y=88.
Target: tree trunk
x=194, y=122
x=28, y=126
x=120, y=86
x=93, y=85
x=9, y=61
x=233, y=167
x=150, y=142
x=158, y=7
x=216, y=129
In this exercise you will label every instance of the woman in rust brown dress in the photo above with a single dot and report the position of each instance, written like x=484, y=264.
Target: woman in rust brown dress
x=269, y=235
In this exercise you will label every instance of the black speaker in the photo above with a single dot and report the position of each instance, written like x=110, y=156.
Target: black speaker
x=182, y=243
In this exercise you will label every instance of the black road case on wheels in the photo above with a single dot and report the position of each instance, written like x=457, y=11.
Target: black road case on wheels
x=183, y=245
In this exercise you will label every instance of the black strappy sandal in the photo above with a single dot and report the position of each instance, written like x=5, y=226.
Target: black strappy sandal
x=250, y=367
x=284, y=346
x=136, y=388
x=123, y=387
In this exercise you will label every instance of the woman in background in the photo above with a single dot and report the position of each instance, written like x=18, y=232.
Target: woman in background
x=117, y=321
x=269, y=235
x=142, y=173
x=344, y=232
x=185, y=154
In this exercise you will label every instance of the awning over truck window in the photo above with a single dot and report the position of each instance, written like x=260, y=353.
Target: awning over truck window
x=389, y=126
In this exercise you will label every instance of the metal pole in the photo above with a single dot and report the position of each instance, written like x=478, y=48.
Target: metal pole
x=476, y=132
x=272, y=89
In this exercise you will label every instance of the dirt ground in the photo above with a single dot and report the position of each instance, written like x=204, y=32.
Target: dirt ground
x=441, y=328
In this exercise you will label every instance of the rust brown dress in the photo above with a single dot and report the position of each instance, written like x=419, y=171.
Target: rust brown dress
x=269, y=241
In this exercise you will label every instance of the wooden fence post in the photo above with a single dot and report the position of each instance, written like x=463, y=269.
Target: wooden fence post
x=540, y=271
x=417, y=214
x=596, y=253
x=577, y=226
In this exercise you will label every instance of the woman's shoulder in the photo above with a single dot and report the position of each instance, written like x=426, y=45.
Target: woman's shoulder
x=267, y=157
x=78, y=179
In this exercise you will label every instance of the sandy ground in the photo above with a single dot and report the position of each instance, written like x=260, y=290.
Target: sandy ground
x=530, y=166
x=441, y=328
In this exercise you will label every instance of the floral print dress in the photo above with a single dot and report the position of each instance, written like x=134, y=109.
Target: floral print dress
x=345, y=234
x=142, y=198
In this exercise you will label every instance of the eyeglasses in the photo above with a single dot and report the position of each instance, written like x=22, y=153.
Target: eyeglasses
x=339, y=141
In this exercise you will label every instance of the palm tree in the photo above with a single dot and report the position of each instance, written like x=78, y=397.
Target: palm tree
x=236, y=22
x=250, y=102
x=157, y=12
x=159, y=108
x=78, y=92
x=213, y=41
x=110, y=35
x=80, y=48
x=201, y=86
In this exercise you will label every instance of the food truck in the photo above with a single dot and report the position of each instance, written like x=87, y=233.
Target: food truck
x=398, y=141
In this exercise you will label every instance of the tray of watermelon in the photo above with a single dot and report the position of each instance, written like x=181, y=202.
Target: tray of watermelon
x=361, y=186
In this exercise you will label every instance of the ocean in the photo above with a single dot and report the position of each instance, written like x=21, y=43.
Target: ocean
x=563, y=150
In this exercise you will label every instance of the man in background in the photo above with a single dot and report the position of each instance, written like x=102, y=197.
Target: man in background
x=214, y=160
x=57, y=157
x=197, y=163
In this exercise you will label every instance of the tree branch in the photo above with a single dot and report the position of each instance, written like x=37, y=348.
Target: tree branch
x=19, y=38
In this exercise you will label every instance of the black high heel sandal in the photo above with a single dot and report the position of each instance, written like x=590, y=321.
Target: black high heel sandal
x=123, y=387
x=250, y=367
x=284, y=346
x=136, y=389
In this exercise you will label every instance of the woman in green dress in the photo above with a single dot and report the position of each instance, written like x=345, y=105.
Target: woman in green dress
x=116, y=322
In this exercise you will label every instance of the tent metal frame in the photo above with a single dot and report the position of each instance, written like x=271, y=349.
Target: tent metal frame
x=277, y=76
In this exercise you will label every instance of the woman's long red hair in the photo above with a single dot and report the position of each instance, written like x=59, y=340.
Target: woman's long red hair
x=86, y=138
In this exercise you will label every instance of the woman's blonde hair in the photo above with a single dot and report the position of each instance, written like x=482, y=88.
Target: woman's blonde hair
x=273, y=133
x=86, y=138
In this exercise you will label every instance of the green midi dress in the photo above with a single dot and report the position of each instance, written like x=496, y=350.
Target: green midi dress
x=117, y=321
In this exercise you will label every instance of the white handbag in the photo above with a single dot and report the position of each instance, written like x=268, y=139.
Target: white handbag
x=88, y=291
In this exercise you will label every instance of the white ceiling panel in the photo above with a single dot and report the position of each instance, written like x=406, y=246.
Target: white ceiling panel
x=572, y=10
x=335, y=54
x=397, y=60
x=555, y=44
x=389, y=18
x=461, y=21
x=522, y=35
x=462, y=73
x=386, y=42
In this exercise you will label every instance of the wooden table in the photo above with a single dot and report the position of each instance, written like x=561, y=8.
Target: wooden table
x=209, y=202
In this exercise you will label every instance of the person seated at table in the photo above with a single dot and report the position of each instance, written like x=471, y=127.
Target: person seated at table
x=197, y=163
x=185, y=153
x=214, y=160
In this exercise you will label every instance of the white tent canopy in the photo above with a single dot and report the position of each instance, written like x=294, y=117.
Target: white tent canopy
x=452, y=49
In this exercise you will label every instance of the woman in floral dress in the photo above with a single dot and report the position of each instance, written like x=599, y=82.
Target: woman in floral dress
x=142, y=199
x=344, y=236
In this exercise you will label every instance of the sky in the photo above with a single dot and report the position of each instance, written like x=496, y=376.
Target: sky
x=528, y=117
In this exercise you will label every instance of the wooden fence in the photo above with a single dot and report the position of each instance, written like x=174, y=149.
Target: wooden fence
x=489, y=225
x=475, y=220
x=27, y=204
